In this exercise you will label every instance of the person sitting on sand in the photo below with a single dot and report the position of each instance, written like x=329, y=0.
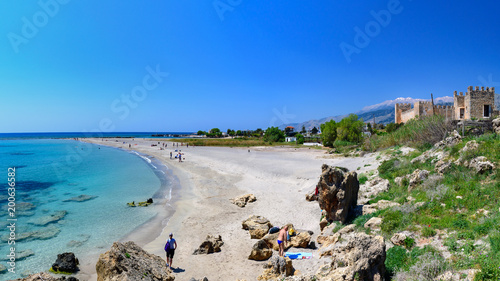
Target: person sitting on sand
x=282, y=240
x=172, y=245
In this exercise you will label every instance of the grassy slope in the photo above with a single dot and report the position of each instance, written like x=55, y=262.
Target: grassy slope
x=453, y=209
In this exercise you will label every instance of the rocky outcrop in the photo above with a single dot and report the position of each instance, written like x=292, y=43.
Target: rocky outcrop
x=260, y=251
x=358, y=255
x=65, y=263
x=380, y=205
x=277, y=267
x=442, y=167
x=469, y=146
x=452, y=140
x=257, y=226
x=312, y=196
x=242, y=201
x=371, y=188
x=399, y=238
x=496, y=125
x=373, y=223
x=480, y=164
x=211, y=245
x=417, y=177
x=338, y=192
x=45, y=277
x=129, y=262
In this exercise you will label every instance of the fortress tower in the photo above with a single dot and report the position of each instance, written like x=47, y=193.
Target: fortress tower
x=476, y=103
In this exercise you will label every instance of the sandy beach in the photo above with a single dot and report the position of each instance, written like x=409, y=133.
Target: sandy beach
x=208, y=178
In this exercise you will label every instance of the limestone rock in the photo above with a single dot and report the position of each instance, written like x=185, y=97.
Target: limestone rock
x=399, y=238
x=417, y=177
x=361, y=254
x=66, y=262
x=338, y=192
x=380, y=205
x=373, y=223
x=371, y=188
x=481, y=164
x=242, y=201
x=496, y=125
x=271, y=240
x=257, y=226
x=277, y=267
x=470, y=145
x=301, y=240
x=129, y=262
x=442, y=167
x=452, y=140
x=211, y=245
x=323, y=223
x=260, y=251
x=399, y=180
x=312, y=196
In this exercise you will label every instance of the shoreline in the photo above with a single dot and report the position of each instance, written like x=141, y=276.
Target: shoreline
x=164, y=200
x=210, y=176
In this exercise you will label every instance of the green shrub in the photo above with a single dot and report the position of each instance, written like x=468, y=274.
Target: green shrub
x=395, y=259
x=428, y=231
x=461, y=223
x=495, y=243
x=361, y=220
x=409, y=242
x=489, y=267
x=391, y=221
x=362, y=178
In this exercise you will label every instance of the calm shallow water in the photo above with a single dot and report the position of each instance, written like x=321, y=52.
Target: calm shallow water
x=49, y=173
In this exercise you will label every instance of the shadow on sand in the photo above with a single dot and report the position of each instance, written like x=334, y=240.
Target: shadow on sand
x=177, y=270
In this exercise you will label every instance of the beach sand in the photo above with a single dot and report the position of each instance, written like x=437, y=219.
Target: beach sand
x=207, y=179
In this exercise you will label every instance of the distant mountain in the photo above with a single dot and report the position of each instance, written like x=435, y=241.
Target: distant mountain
x=382, y=113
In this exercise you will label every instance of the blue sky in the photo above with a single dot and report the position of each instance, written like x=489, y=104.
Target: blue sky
x=185, y=65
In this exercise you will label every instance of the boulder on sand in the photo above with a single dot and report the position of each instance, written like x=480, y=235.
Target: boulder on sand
x=260, y=251
x=277, y=267
x=241, y=201
x=338, y=192
x=65, y=263
x=129, y=262
x=211, y=245
x=257, y=226
x=358, y=255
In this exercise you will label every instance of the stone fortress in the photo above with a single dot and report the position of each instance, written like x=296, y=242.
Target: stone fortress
x=478, y=104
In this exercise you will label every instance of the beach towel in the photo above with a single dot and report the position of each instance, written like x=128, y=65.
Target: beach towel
x=298, y=256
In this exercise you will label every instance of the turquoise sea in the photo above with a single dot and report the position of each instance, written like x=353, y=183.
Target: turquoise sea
x=71, y=197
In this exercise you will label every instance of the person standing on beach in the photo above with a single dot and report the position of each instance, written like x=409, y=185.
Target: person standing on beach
x=172, y=245
x=170, y=154
x=180, y=157
x=282, y=240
